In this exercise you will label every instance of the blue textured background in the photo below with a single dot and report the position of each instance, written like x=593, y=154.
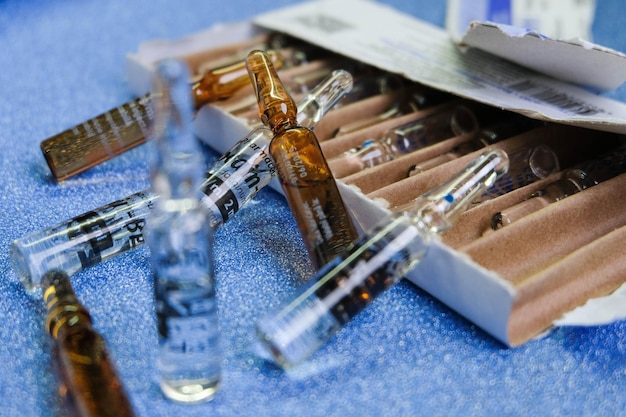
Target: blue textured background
x=61, y=63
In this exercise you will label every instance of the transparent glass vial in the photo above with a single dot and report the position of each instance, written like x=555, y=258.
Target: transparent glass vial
x=87, y=374
x=508, y=127
x=452, y=120
x=310, y=189
x=413, y=99
x=180, y=238
x=527, y=165
x=379, y=259
x=572, y=181
x=118, y=227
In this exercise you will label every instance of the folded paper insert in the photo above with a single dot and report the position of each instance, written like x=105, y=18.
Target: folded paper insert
x=511, y=310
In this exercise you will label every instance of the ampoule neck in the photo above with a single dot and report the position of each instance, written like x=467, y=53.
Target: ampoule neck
x=66, y=314
x=323, y=97
x=428, y=217
x=439, y=209
x=287, y=124
x=277, y=110
x=177, y=170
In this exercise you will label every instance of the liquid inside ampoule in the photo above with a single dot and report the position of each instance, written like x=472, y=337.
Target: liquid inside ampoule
x=311, y=190
x=98, y=139
x=308, y=184
x=348, y=284
x=189, y=360
x=127, y=126
x=380, y=258
x=87, y=373
x=180, y=237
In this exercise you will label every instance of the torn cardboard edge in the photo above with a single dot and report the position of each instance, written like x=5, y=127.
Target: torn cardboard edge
x=575, y=61
x=563, y=19
x=423, y=53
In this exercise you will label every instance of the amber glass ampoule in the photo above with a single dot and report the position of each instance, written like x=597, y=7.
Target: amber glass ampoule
x=87, y=373
x=223, y=82
x=120, y=129
x=305, y=178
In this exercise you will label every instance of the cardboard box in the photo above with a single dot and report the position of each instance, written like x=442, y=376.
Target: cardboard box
x=514, y=283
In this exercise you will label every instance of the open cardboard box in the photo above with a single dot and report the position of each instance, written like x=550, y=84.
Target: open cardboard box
x=515, y=282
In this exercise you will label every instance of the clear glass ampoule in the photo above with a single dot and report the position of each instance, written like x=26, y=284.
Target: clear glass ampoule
x=509, y=126
x=379, y=259
x=526, y=165
x=111, y=133
x=87, y=373
x=452, y=120
x=369, y=82
x=117, y=227
x=180, y=237
x=572, y=181
x=415, y=99
x=308, y=184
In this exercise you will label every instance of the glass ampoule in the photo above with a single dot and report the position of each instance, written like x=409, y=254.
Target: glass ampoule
x=503, y=129
x=574, y=180
x=86, y=371
x=117, y=227
x=301, y=57
x=120, y=129
x=379, y=259
x=452, y=120
x=369, y=82
x=297, y=85
x=263, y=41
x=221, y=83
x=415, y=99
x=301, y=84
x=180, y=237
x=526, y=165
x=309, y=187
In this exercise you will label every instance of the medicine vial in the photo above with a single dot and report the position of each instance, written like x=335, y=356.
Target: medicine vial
x=572, y=181
x=87, y=373
x=180, y=238
x=120, y=129
x=450, y=120
x=309, y=186
x=379, y=259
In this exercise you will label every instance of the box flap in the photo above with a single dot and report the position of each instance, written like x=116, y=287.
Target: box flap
x=399, y=43
x=576, y=60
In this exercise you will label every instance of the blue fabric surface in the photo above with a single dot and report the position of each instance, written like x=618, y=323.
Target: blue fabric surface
x=62, y=63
